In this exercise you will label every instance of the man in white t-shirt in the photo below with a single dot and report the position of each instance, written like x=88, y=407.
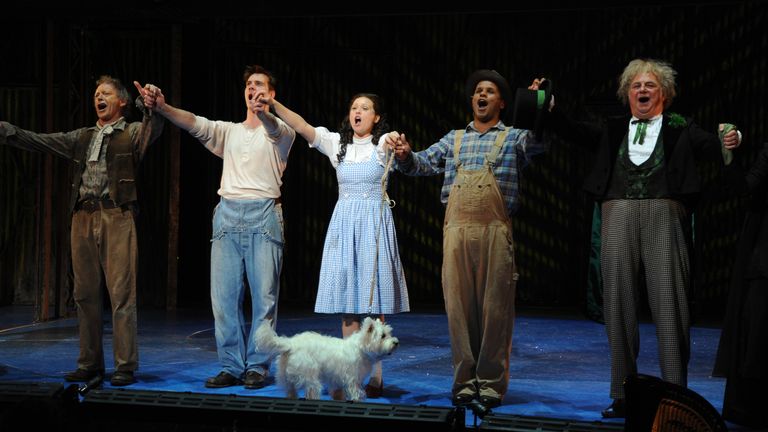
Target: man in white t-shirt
x=247, y=223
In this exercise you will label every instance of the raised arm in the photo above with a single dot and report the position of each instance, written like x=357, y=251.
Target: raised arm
x=292, y=119
x=59, y=143
x=583, y=133
x=267, y=118
x=154, y=99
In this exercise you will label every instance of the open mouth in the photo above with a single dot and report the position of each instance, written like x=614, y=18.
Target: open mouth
x=643, y=99
x=358, y=120
x=101, y=106
x=250, y=96
x=482, y=103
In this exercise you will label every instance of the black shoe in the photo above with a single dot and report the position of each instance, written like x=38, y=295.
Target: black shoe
x=122, y=378
x=223, y=379
x=82, y=375
x=490, y=401
x=617, y=409
x=462, y=399
x=254, y=380
x=374, y=392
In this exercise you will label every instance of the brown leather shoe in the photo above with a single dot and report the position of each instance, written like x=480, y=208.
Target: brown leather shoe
x=223, y=379
x=82, y=375
x=616, y=410
x=254, y=380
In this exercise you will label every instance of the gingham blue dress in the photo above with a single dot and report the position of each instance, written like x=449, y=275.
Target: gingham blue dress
x=350, y=247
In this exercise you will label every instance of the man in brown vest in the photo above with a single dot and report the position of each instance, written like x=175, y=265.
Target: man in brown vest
x=103, y=236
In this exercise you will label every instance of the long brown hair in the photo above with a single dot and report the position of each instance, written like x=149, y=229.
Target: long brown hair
x=379, y=128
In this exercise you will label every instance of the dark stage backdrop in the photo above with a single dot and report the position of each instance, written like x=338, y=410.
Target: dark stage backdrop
x=417, y=62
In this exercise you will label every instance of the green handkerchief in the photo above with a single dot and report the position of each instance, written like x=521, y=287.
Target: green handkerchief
x=727, y=154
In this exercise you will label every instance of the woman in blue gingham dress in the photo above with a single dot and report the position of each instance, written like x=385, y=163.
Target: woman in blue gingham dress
x=361, y=273
x=348, y=271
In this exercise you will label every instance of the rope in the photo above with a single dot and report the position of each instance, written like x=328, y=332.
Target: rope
x=391, y=204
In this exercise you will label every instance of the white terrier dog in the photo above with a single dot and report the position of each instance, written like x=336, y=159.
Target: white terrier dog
x=310, y=360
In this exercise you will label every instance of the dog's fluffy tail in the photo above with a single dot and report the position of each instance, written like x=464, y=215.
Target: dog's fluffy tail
x=268, y=341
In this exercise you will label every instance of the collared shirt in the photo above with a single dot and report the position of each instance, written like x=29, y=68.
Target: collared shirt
x=359, y=150
x=518, y=148
x=639, y=153
x=95, y=182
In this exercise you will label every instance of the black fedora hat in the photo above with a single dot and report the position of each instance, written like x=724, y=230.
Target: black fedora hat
x=492, y=76
x=530, y=107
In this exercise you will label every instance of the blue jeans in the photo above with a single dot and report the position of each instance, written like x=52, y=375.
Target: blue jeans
x=247, y=239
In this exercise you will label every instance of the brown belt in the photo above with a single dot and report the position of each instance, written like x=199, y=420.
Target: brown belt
x=91, y=205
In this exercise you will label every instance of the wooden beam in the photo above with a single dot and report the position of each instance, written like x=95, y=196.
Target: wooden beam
x=171, y=294
x=47, y=195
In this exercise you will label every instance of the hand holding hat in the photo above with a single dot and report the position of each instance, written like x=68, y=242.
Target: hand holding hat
x=531, y=104
x=538, y=83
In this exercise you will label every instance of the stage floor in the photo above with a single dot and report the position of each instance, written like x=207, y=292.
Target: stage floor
x=559, y=366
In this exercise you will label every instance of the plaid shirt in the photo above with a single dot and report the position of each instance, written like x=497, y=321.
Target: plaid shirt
x=517, y=150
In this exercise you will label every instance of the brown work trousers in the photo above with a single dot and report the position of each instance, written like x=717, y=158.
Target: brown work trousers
x=104, y=249
x=479, y=280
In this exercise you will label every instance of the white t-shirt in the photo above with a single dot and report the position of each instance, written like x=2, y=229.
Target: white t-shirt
x=253, y=160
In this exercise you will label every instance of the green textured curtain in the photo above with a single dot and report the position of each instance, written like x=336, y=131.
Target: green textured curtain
x=594, y=277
